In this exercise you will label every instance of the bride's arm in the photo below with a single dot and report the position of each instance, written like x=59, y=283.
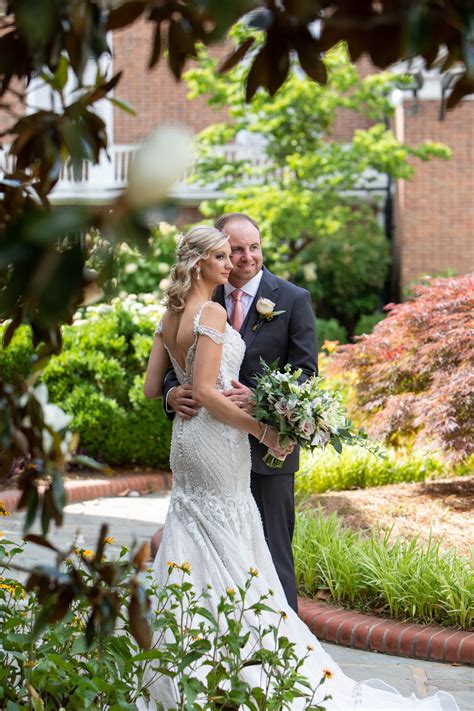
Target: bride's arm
x=206, y=370
x=158, y=365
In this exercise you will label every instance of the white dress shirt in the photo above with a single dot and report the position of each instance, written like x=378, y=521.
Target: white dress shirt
x=250, y=290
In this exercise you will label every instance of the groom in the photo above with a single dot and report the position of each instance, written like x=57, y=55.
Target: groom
x=289, y=337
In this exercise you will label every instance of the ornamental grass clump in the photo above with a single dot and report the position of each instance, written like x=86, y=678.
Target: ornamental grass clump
x=356, y=468
x=406, y=580
x=414, y=375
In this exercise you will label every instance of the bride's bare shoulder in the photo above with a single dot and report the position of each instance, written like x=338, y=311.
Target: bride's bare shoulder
x=213, y=315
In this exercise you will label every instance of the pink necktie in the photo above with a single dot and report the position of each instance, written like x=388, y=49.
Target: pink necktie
x=238, y=311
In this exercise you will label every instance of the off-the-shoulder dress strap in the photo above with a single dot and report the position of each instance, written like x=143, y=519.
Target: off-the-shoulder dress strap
x=200, y=328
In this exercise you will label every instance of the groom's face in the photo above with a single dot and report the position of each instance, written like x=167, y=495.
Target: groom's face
x=246, y=254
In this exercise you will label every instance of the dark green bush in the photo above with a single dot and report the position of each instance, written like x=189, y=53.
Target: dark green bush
x=351, y=267
x=98, y=379
x=367, y=323
x=16, y=360
x=330, y=330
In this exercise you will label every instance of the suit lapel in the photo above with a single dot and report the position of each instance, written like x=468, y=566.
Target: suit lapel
x=268, y=289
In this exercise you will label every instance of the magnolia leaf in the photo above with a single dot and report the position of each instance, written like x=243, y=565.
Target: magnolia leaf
x=125, y=15
x=310, y=61
x=236, y=56
x=156, y=47
x=258, y=74
x=463, y=87
x=259, y=19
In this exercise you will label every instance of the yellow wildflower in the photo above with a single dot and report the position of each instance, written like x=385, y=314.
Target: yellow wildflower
x=109, y=539
x=30, y=663
x=253, y=572
x=328, y=674
x=3, y=511
x=283, y=614
x=88, y=553
x=309, y=647
x=230, y=592
x=185, y=567
x=2, y=533
x=8, y=588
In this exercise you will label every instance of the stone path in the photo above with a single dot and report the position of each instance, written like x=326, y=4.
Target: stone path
x=139, y=516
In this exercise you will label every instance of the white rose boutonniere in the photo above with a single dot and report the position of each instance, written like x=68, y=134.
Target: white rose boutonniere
x=265, y=309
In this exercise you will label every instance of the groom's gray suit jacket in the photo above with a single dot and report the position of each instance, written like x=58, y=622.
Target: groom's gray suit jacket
x=289, y=337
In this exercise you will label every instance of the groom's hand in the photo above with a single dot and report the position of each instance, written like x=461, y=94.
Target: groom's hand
x=180, y=399
x=241, y=395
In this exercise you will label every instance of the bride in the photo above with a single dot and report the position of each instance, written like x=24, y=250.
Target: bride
x=213, y=521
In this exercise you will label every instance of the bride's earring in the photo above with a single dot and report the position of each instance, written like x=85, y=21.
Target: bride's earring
x=198, y=273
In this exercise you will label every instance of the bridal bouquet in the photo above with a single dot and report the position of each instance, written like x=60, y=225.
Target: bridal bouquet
x=302, y=413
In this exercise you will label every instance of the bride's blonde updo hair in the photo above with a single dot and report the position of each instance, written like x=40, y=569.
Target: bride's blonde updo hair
x=190, y=249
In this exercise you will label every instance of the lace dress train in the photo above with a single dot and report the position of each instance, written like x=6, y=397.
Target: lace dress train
x=213, y=522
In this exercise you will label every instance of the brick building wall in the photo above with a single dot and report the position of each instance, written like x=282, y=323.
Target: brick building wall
x=434, y=225
x=155, y=95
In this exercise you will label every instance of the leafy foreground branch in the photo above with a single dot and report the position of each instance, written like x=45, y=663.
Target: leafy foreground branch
x=375, y=573
x=63, y=665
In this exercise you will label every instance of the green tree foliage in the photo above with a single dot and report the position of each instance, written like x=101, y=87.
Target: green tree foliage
x=305, y=192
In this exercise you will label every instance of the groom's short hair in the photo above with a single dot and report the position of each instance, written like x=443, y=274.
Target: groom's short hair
x=228, y=216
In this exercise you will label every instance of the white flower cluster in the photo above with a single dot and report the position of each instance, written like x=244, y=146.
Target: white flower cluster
x=138, y=305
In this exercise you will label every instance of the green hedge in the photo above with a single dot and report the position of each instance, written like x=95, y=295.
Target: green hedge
x=98, y=379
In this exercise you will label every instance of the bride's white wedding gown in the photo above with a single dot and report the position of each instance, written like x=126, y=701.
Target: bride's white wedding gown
x=213, y=522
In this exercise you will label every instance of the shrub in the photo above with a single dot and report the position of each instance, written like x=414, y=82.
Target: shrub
x=414, y=373
x=367, y=323
x=355, y=468
x=330, y=330
x=373, y=572
x=350, y=269
x=16, y=360
x=98, y=379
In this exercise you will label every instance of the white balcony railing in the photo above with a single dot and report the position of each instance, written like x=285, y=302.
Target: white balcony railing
x=101, y=183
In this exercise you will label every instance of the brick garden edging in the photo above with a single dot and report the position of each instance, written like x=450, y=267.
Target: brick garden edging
x=328, y=622
x=86, y=489
x=405, y=639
